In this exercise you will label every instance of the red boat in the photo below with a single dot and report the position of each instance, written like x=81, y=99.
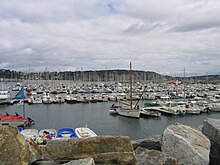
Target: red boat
x=2, y=116
x=16, y=117
x=114, y=107
x=13, y=118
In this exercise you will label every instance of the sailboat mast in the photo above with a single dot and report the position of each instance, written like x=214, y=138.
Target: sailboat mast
x=130, y=85
x=184, y=75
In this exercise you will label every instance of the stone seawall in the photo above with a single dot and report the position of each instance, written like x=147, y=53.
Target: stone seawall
x=179, y=144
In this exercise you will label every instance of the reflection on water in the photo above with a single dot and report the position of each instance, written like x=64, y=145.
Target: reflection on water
x=97, y=117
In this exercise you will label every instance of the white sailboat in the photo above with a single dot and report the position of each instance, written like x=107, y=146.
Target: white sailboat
x=129, y=111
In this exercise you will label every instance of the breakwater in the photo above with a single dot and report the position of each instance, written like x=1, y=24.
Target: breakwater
x=179, y=144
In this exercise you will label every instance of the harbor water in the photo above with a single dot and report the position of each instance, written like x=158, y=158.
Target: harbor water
x=96, y=116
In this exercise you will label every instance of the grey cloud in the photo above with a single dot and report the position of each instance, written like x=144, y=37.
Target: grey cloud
x=52, y=10
x=139, y=28
x=109, y=34
x=193, y=25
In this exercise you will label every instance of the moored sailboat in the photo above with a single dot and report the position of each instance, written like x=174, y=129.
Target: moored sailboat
x=129, y=111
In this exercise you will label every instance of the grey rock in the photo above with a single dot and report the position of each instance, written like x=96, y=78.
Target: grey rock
x=211, y=128
x=101, y=148
x=153, y=157
x=45, y=162
x=13, y=147
x=150, y=143
x=200, y=127
x=86, y=161
x=186, y=144
x=34, y=151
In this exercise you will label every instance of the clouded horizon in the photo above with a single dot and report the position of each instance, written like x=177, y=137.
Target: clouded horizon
x=162, y=36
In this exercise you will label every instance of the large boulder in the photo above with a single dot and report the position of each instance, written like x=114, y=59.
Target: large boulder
x=13, y=147
x=34, y=151
x=101, y=148
x=211, y=128
x=86, y=161
x=153, y=157
x=186, y=144
x=153, y=142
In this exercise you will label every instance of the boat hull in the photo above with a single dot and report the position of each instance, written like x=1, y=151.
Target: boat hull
x=147, y=112
x=4, y=101
x=4, y=97
x=135, y=113
x=215, y=107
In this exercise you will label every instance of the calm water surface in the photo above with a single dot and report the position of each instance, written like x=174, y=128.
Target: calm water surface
x=96, y=116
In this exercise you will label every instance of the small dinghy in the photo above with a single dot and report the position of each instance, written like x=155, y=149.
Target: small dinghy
x=30, y=133
x=52, y=132
x=45, y=135
x=83, y=132
x=65, y=133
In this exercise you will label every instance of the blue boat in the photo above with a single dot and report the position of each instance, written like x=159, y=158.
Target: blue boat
x=20, y=129
x=66, y=133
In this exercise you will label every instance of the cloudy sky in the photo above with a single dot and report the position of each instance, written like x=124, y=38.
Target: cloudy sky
x=157, y=35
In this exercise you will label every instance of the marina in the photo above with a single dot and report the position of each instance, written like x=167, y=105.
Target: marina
x=74, y=105
x=100, y=113
x=69, y=96
x=97, y=117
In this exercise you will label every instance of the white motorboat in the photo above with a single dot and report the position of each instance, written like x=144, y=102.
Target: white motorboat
x=71, y=100
x=4, y=96
x=174, y=108
x=16, y=87
x=193, y=109
x=36, y=99
x=113, y=110
x=46, y=99
x=149, y=112
x=214, y=107
x=84, y=132
x=58, y=99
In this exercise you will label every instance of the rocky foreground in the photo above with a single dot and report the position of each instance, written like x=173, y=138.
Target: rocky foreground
x=179, y=144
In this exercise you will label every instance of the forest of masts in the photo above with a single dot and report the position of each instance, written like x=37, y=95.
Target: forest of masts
x=97, y=76
x=82, y=76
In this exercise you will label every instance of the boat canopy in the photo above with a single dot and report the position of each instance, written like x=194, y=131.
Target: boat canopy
x=20, y=94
